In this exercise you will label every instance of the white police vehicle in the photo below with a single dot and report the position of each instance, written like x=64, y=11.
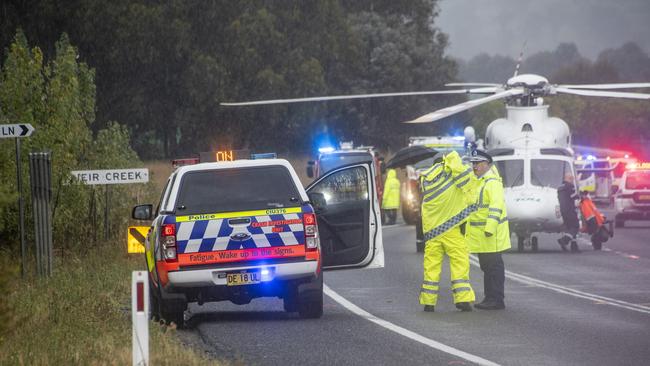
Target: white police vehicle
x=244, y=229
x=632, y=199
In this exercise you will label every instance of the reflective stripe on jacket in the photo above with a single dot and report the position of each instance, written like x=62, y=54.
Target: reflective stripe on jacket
x=449, y=191
x=390, y=199
x=490, y=217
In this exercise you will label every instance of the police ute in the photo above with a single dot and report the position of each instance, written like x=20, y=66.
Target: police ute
x=243, y=229
x=632, y=198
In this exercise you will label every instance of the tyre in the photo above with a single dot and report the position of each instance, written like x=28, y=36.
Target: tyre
x=619, y=223
x=290, y=301
x=408, y=216
x=172, y=315
x=520, y=243
x=310, y=303
x=154, y=303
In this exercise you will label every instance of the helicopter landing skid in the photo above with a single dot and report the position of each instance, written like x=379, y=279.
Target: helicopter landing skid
x=527, y=241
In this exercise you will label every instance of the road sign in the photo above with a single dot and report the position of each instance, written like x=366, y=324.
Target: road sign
x=112, y=176
x=135, y=238
x=16, y=130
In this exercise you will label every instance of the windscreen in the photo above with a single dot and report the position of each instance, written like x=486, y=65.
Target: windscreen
x=242, y=189
x=332, y=161
x=638, y=180
x=511, y=171
x=548, y=172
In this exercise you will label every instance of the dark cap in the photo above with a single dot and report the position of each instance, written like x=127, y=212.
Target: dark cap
x=480, y=155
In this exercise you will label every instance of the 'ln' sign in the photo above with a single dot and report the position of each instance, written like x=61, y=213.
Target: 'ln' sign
x=16, y=130
x=112, y=176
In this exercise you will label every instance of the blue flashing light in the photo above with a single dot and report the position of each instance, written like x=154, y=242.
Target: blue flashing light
x=591, y=157
x=325, y=149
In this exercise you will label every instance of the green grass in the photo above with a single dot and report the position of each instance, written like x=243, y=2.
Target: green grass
x=81, y=316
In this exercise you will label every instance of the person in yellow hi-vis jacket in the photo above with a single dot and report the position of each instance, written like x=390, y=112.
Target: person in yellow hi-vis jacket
x=487, y=231
x=390, y=200
x=449, y=191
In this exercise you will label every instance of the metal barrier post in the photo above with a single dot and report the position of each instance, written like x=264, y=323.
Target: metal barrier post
x=40, y=172
x=140, y=317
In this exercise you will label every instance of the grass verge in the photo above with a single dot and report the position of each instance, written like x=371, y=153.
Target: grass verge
x=82, y=316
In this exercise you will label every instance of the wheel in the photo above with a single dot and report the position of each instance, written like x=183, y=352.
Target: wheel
x=172, y=312
x=520, y=243
x=154, y=303
x=408, y=216
x=173, y=316
x=310, y=303
x=290, y=301
x=534, y=243
x=619, y=223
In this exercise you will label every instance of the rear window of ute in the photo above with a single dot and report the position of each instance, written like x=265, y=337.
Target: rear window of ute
x=242, y=189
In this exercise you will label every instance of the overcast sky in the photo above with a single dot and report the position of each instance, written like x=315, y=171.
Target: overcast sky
x=502, y=26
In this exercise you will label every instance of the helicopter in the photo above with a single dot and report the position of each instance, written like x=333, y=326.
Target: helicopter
x=531, y=150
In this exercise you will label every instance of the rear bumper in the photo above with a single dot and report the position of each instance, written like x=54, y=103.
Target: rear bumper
x=217, y=276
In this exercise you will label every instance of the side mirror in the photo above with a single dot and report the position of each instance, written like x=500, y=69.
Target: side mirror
x=310, y=168
x=142, y=212
x=614, y=189
x=318, y=200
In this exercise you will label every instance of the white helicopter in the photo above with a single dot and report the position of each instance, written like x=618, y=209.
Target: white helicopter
x=531, y=150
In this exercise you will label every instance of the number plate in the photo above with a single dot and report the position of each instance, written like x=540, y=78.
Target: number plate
x=238, y=279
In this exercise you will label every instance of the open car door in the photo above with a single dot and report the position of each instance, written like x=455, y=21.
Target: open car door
x=348, y=216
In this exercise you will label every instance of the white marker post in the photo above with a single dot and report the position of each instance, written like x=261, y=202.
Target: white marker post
x=140, y=317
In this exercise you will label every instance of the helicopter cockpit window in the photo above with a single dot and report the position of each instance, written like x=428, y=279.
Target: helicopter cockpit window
x=511, y=171
x=548, y=172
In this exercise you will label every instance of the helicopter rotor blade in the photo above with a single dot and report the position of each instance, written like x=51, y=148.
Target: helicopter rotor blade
x=602, y=93
x=472, y=84
x=344, y=97
x=442, y=113
x=606, y=86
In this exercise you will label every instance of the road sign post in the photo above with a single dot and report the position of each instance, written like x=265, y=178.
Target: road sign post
x=17, y=131
x=108, y=177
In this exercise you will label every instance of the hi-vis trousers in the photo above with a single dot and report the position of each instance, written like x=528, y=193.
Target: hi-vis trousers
x=453, y=244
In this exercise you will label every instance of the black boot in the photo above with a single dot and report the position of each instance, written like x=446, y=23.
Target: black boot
x=490, y=305
x=563, y=241
x=463, y=306
x=429, y=308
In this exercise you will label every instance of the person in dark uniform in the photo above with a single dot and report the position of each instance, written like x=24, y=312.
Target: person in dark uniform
x=566, y=194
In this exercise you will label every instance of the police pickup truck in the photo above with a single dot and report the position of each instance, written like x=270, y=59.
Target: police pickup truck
x=247, y=228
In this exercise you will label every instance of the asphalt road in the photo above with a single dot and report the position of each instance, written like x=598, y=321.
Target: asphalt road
x=588, y=308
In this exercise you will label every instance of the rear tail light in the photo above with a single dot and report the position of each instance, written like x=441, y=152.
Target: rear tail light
x=311, y=231
x=168, y=241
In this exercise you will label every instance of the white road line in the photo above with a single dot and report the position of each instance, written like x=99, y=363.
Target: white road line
x=569, y=291
x=403, y=331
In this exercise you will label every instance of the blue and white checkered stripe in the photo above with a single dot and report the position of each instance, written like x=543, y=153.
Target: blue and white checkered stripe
x=214, y=235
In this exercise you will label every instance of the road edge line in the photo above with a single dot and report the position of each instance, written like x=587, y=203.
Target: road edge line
x=403, y=331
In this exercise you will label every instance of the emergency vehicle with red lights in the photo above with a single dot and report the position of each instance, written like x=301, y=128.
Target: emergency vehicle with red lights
x=632, y=198
x=242, y=229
